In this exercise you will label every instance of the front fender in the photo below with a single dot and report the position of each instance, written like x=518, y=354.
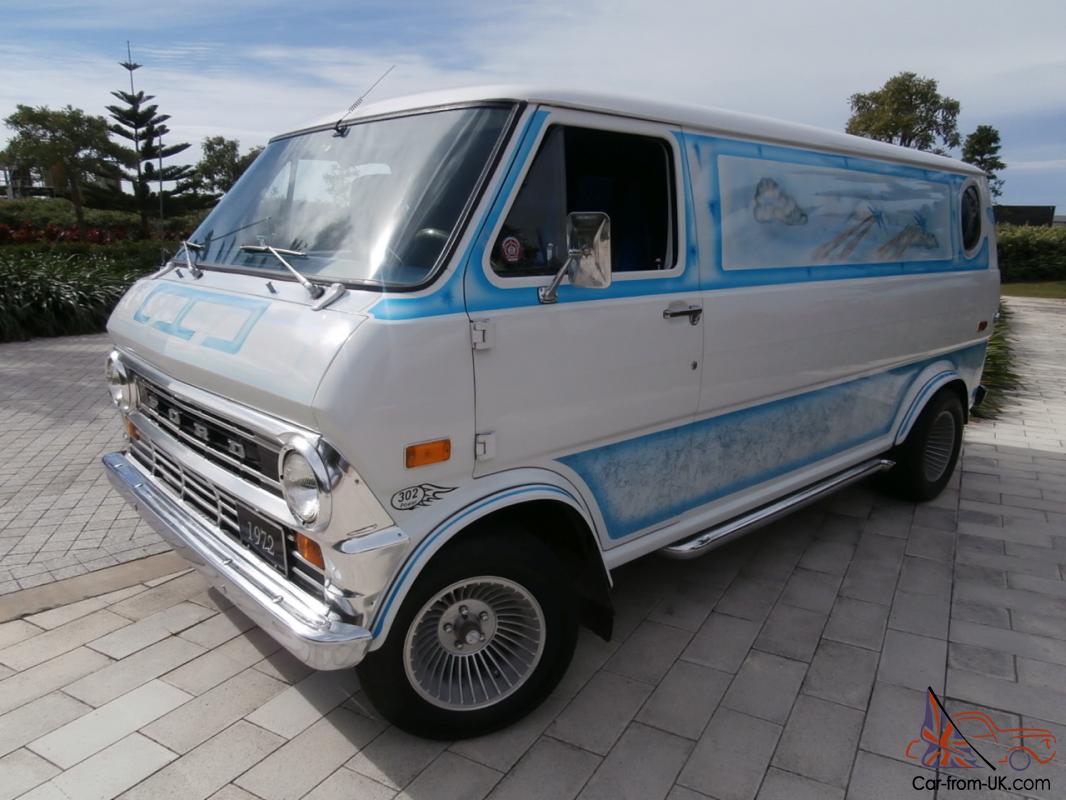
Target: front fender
x=500, y=495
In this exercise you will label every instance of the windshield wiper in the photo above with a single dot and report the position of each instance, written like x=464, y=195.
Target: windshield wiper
x=172, y=264
x=313, y=289
x=187, y=246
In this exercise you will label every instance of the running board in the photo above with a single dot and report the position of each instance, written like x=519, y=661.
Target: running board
x=720, y=534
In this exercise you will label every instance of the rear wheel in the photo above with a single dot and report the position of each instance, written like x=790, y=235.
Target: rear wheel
x=927, y=458
x=483, y=636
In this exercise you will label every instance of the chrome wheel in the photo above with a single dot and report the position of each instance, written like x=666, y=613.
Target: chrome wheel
x=474, y=643
x=939, y=445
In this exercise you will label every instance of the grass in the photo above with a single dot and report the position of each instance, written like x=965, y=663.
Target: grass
x=999, y=376
x=1050, y=289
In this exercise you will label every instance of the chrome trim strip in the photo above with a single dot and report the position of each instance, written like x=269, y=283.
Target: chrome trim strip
x=263, y=501
x=720, y=534
x=307, y=566
x=199, y=446
x=200, y=411
x=298, y=622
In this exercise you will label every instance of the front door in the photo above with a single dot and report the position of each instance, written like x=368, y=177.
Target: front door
x=587, y=386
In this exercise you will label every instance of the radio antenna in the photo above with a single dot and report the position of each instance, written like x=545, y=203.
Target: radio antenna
x=338, y=130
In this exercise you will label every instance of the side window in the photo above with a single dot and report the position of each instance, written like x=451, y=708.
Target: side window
x=628, y=177
x=970, y=213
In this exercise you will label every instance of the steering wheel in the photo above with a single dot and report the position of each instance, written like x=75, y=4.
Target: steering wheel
x=434, y=233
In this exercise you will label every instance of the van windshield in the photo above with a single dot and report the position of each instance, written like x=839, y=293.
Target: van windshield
x=378, y=204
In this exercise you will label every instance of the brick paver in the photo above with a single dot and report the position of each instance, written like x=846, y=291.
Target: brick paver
x=790, y=664
x=58, y=516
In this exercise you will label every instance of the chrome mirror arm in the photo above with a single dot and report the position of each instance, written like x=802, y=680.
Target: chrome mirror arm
x=549, y=294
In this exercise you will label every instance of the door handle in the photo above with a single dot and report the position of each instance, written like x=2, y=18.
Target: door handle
x=692, y=312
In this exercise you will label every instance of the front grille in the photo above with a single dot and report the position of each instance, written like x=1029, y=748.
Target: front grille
x=220, y=441
x=217, y=507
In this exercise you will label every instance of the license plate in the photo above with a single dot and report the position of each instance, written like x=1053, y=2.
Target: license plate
x=266, y=539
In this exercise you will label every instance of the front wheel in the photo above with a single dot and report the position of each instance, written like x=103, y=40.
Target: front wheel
x=926, y=459
x=483, y=636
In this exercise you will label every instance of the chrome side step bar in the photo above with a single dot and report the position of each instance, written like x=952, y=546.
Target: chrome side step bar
x=720, y=534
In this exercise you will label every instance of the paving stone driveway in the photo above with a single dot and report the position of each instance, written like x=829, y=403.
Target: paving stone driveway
x=58, y=515
x=791, y=664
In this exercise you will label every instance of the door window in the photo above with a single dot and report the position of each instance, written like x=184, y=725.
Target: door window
x=628, y=177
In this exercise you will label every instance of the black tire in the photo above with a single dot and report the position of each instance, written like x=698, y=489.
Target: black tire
x=513, y=556
x=927, y=458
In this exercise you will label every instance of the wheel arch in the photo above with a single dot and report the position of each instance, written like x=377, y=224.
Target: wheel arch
x=559, y=521
x=938, y=377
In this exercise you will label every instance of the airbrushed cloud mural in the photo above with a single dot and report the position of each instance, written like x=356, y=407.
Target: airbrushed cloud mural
x=776, y=213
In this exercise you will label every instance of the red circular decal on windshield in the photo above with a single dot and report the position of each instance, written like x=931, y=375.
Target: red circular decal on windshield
x=511, y=249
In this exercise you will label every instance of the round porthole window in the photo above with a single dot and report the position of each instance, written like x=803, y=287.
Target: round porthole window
x=970, y=218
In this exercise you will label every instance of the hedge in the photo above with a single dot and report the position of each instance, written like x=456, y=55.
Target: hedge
x=42, y=218
x=43, y=211
x=59, y=291
x=125, y=256
x=1029, y=253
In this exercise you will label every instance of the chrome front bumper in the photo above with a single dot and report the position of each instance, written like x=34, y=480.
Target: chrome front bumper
x=302, y=625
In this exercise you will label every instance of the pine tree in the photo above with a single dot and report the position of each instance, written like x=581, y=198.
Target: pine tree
x=138, y=121
x=981, y=149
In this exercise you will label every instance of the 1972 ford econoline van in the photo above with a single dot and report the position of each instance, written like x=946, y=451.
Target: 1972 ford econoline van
x=427, y=374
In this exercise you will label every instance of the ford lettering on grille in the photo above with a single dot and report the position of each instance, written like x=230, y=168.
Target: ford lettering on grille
x=221, y=441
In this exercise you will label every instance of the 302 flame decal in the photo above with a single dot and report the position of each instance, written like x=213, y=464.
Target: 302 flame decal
x=417, y=496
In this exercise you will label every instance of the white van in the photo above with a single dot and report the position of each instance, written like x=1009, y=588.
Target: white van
x=427, y=374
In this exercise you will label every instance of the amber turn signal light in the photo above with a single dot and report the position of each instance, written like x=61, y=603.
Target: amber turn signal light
x=310, y=551
x=419, y=455
x=132, y=432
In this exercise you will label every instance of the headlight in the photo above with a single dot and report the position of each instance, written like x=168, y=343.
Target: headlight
x=305, y=483
x=119, y=383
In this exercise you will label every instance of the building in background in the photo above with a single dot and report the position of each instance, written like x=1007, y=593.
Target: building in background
x=1041, y=216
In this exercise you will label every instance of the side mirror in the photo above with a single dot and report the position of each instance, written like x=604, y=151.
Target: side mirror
x=588, y=263
x=588, y=240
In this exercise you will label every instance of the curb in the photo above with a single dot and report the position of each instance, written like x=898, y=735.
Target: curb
x=71, y=590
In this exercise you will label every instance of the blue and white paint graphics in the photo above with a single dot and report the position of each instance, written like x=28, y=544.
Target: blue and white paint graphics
x=218, y=321
x=713, y=458
x=777, y=213
x=771, y=214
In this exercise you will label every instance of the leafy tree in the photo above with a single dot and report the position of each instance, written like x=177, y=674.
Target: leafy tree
x=138, y=121
x=909, y=111
x=981, y=149
x=221, y=164
x=67, y=144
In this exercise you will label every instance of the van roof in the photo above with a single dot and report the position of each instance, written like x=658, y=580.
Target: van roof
x=711, y=120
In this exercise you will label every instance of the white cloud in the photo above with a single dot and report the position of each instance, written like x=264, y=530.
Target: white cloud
x=798, y=61
x=1038, y=166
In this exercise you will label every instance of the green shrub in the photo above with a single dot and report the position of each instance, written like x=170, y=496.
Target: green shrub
x=1028, y=253
x=999, y=376
x=40, y=212
x=128, y=256
x=51, y=293
x=58, y=212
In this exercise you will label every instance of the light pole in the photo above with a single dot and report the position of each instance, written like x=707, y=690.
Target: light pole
x=130, y=65
x=160, y=184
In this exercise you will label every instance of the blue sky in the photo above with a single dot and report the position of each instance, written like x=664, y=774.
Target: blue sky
x=251, y=69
